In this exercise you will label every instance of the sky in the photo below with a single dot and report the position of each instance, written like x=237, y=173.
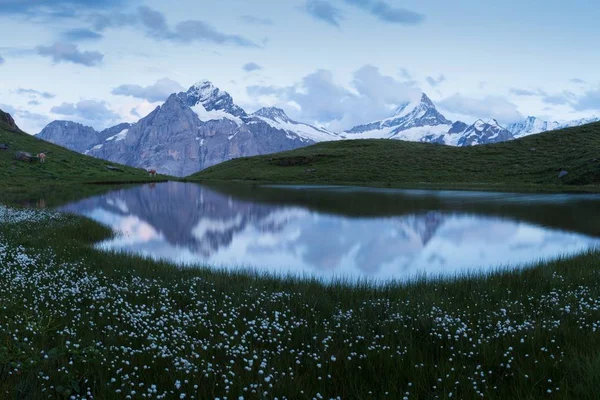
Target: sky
x=333, y=63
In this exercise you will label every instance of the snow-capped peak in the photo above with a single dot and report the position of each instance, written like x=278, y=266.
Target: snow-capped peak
x=273, y=113
x=479, y=125
x=211, y=98
x=204, y=90
x=532, y=125
x=493, y=122
x=424, y=103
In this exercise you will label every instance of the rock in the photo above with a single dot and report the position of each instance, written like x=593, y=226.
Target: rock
x=563, y=174
x=3, y=146
x=110, y=167
x=532, y=149
x=76, y=136
x=23, y=156
x=7, y=120
x=176, y=142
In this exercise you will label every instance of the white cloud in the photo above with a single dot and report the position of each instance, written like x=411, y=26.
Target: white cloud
x=369, y=96
x=487, y=107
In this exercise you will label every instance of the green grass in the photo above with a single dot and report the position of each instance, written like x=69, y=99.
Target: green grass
x=72, y=319
x=532, y=163
x=63, y=172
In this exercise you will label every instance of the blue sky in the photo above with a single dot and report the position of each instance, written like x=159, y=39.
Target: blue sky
x=330, y=62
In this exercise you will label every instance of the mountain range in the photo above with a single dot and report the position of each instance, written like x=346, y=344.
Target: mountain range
x=201, y=127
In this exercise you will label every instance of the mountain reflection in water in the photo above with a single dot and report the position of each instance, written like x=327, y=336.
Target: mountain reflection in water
x=191, y=224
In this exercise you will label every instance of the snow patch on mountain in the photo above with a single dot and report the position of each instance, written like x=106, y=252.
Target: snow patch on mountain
x=533, y=125
x=214, y=115
x=484, y=132
x=212, y=99
x=278, y=119
x=119, y=136
x=416, y=120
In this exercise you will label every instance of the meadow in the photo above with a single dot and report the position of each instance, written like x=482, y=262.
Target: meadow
x=532, y=163
x=77, y=323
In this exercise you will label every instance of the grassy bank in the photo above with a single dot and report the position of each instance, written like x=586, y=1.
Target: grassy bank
x=77, y=322
x=62, y=174
x=532, y=163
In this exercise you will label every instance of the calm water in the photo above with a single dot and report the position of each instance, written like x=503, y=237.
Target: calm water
x=344, y=232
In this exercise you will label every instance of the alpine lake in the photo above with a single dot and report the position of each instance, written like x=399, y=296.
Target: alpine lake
x=344, y=233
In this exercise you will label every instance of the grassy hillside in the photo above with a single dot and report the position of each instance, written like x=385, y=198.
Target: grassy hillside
x=62, y=166
x=534, y=160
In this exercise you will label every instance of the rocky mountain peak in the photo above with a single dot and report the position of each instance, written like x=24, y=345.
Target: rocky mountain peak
x=211, y=98
x=72, y=135
x=272, y=113
x=482, y=132
x=423, y=103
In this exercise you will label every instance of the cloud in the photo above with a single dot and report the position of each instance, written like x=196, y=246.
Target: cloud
x=54, y=12
x=35, y=93
x=563, y=98
x=159, y=91
x=434, y=82
x=251, y=66
x=526, y=92
x=33, y=103
x=323, y=10
x=589, y=101
x=191, y=31
x=154, y=21
x=385, y=12
x=576, y=80
x=405, y=74
x=68, y=52
x=81, y=34
x=371, y=96
x=486, y=108
x=1, y=60
x=155, y=24
x=101, y=22
x=89, y=111
x=249, y=19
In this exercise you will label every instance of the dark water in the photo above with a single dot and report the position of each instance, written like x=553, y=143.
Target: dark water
x=344, y=232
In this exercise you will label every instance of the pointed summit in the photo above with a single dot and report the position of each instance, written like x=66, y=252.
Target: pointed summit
x=420, y=113
x=273, y=113
x=423, y=103
x=211, y=98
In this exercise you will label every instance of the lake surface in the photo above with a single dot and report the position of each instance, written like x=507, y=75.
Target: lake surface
x=344, y=232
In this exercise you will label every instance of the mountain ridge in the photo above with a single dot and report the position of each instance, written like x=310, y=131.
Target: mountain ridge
x=214, y=129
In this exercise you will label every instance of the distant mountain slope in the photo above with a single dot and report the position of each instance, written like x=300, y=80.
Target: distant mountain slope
x=533, y=125
x=533, y=160
x=278, y=119
x=76, y=136
x=199, y=128
x=61, y=166
x=484, y=133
